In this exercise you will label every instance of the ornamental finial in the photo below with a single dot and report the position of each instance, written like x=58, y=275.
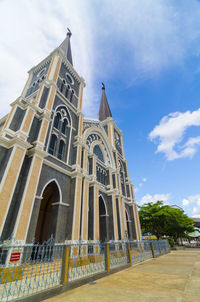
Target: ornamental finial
x=103, y=86
x=69, y=33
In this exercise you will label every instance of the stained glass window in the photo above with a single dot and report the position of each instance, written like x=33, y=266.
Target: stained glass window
x=97, y=151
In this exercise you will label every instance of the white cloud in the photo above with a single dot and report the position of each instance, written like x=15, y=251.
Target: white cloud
x=185, y=202
x=153, y=198
x=192, y=199
x=30, y=30
x=192, y=204
x=143, y=39
x=136, y=189
x=170, y=133
x=196, y=212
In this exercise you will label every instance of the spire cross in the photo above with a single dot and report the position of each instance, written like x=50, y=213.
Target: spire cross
x=69, y=33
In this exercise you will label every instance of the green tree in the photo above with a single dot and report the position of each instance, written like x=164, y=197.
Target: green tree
x=160, y=220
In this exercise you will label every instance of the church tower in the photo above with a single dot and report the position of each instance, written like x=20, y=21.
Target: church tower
x=63, y=174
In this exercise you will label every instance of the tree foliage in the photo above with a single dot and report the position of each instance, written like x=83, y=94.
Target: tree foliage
x=159, y=219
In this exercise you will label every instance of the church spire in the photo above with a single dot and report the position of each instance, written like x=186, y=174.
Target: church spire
x=104, y=110
x=65, y=46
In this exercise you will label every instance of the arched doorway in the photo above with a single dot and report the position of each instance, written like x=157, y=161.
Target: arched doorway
x=102, y=220
x=45, y=224
x=128, y=224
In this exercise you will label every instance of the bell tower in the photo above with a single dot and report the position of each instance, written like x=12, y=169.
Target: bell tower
x=41, y=133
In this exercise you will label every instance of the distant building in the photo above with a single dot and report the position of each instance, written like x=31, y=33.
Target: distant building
x=196, y=222
x=174, y=206
x=63, y=174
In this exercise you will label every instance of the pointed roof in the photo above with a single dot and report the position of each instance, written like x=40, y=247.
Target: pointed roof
x=104, y=110
x=65, y=46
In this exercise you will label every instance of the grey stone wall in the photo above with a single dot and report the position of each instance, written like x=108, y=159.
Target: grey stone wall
x=34, y=130
x=62, y=215
x=16, y=200
x=109, y=218
x=44, y=97
x=4, y=158
x=132, y=226
x=63, y=70
x=17, y=119
x=36, y=79
x=91, y=214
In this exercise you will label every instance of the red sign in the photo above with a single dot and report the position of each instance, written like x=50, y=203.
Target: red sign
x=15, y=257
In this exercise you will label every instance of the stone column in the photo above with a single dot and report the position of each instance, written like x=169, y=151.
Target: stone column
x=77, y=209
x=96, y=213
x=84, y=231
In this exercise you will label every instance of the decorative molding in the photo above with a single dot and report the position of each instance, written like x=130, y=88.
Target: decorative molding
x=38, y=197
x=35, y=150
x=61, y=204
x=15, y=141
x=56, y=167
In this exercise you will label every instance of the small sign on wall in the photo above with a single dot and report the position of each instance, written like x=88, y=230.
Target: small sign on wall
x=15, y=257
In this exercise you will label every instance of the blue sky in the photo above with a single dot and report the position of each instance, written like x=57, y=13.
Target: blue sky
x=147, y=52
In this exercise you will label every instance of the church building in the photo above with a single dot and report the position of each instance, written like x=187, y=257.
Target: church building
x=62, y=174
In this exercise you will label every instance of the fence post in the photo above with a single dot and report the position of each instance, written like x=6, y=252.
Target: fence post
x=167, y=249
x=152, y=249
x=107, y=257
x=165, y=246
x=129, y=252
x=65, y=264
x=159, y=248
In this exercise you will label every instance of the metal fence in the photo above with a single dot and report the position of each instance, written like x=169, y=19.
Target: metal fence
x=28, y=269
x=86, y=260
x=140, y=251
x=32, y=268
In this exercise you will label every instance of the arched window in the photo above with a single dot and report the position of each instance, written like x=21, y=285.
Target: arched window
x=59, y=142
x=71, y=98
x=62, y=86
x=128, y=224
x=67, y=90
x=61, y=149
x=52, y=145
x=57, y=120
x=103, y=235
x=64, y=126
x=97, y=151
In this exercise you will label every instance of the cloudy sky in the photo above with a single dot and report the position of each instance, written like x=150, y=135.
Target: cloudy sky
x=147, y=52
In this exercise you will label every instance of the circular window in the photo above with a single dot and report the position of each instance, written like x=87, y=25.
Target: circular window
x=41, y=73
x=69, y=79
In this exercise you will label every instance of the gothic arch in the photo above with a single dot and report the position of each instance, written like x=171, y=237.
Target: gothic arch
x=68, y=112
x=102, y=149
x=65, y=119
x=128, y=224
x=58, y=186
x=106, y=210
x=127, y=215
x=46, y=218
x=103, y=220
x=102, y=141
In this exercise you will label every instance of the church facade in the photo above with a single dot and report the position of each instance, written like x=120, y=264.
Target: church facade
x=63, y=174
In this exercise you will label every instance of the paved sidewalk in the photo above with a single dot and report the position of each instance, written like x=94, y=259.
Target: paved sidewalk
x=174, y=277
